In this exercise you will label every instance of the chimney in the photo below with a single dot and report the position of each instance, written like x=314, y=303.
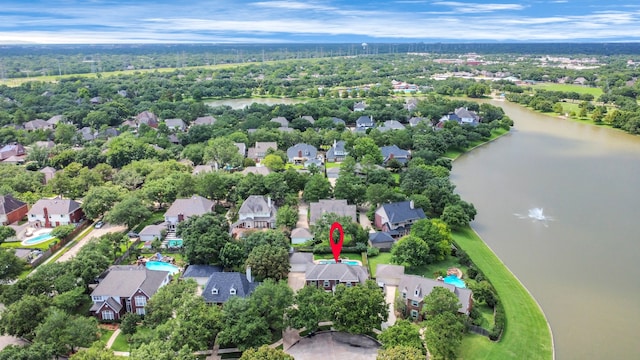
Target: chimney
x=269, y=201
x=335, y=143
x=180, y=217
x=249, y=274
x=411, y=204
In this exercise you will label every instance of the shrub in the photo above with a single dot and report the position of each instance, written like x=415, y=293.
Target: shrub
x=373, y=251
x=62, y=231
x=499, y=320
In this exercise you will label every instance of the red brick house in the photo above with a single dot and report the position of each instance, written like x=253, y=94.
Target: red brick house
x=413, y=288
x=328, y=276
x=126, y=289
x=11, y=209
x=55, y=212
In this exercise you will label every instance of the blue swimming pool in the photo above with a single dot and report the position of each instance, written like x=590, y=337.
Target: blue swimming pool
x=37, y=239
x=348, y=262
x=162, y=266
x=453, y=280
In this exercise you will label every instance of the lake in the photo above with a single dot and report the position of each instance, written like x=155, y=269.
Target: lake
x=578, y=251
x=242, y=103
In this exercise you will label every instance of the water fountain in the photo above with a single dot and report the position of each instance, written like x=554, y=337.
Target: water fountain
x=537, y=215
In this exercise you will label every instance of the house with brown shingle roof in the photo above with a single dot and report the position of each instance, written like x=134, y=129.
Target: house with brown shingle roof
x=10, y=150
x=259, y=151
x=147, y=117
x=11, y=209
x=126, y=289
x=183, y=209
x=55, y=212
x=204, y=120
x=37, y=124
x=414, y=288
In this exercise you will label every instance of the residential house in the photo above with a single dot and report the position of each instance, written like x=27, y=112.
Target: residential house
x=300, y=153
x=37, y=124
x=256, y=212
x=414, y=121
x=338, y=121
x=309, y=118
x=328, y=276
x=152, y=232
x=221, y=286
x=126, y=289
x=257, y=170
x=414, y=288
x=200, y=273
x=147, y=118
x=183, y=209
x=300, y=261
x=259, y=151
x=411, y=104
x=285, y=129
x=397, y=218
x=461, y=116
x=359, y=106
x=11, y=209
x=49, y=173
x=15, y=160
x=54, y=120
x=204, y=120
x=95, y=100
x=86, y=134
x=391, y=125
x=387, y=274
x=365, y=122
x=382, y=240
x=48, y=144
x=242, y=149
x=175, y=124
x=337, y=206
x=55, y=212
x=300, y=235
x=284, y=123
x=201, y=169
x=107, y=133
x=337, y=151
x=394, y=152
x=10, y=150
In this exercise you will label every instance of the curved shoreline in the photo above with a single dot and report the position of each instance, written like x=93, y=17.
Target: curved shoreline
x=501, y=292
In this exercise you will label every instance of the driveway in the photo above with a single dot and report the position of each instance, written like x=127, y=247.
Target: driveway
x=94, y=233
x=390, y=298
x=296, y=281
x=334, y=346
x=303, y=208
x=364, y=220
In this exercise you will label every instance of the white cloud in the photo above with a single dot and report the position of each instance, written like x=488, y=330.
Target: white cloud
x=462, y=7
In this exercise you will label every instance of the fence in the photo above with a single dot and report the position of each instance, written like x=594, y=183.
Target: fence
x=126, y=254
x=58, y=245
x=479, y=330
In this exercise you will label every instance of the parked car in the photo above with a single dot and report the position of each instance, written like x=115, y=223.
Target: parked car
x=132, y=234
x=98, y=225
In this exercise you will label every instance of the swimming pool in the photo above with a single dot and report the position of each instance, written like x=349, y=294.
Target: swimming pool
x=348, y=262
x=453, y=280
x=37, y=239
x=162, y=266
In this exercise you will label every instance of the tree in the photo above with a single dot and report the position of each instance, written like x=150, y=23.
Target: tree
x=265, y=353
x=436, y=235
x=317, y=187
x=269, y=262
x=195, y=326
x=130, y=211
x=287, y=216
x=124, y=149
x=400, y=353
x=242, y=325
x=365, y=147
x=6, y=232
x=63, y=231
x=40, y=155
x=95, y=352
x=444, y=335
x=129, y=323
x=455, y=216
x=271, y=299
x=350, y=188
x=232, y=255
x=162, y=304
x=359, y=309
x=410, y=250
x=160, y=350
x=99, y=199
x=70, y=300
x=402, y=333
x=65, y=332
x=312, y=305
x=23, y=316
x=224, y=152
x=440, y=300
x=273, y=162
x=204, y=237
x=268, y=237
x=36, y=351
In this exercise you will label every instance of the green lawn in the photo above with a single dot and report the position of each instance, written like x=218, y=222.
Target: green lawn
x=105, y=335
x=382, y=258
x=121, y=343
x=330, y=165
x=454, y=153
x=18, y=244
x=527, y=334
x=350, y=256
x=596, y=92
x=441, y=266
x=156, y=217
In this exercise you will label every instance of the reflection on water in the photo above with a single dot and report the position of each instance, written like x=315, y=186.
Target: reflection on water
x=583, y=269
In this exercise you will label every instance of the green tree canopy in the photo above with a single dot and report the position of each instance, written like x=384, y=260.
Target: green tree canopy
x=130, y=211
x=402, y=333
x=269, y=262
x=400, y=353
x=359, y=309
x=265, y=352
x=204, y=237
x=12, y=265
x=312, y=305
x=317, y=187
x=410, y=250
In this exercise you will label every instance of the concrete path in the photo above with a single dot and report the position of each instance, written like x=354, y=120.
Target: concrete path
x=364, y=220
x=112, y=339
x=302, y=215
x=390, y=298
x=94, y=233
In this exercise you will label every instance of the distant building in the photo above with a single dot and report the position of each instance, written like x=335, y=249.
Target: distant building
x=256, y=212
x=55, y=212
x=182, y=209
x=328, y=276
x=337, y=206
x=221, y=286
x=11, y=209
x=414, y=288
x=397, y=218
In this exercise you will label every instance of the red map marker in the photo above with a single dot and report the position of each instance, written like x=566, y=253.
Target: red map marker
x=336, y=247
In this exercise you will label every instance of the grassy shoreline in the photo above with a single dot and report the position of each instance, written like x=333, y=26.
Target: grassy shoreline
x=527, y=333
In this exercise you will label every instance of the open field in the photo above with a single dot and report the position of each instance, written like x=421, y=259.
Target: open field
x=527, y=334
x=569, y=87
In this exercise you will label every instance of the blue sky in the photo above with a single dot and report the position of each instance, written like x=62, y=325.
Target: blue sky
x=320, y=21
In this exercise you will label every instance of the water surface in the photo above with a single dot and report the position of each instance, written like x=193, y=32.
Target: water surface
x=242, y=103
x=581, y=264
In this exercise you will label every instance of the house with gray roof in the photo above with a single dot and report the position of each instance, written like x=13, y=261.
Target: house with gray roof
x=221, y=286
x=382, y=240
x=309, y=118
x=126, y=289
x=259, y=151
x=390, y=125
x=394, y=152
x=337, y=121
x=48, y=144
x=388, y=274
x=54, y=120
x=414, y=288
x=359, y=106
x=365, y=122
x=337, y=151
x=202, y=169
x=175, y=124
x=242, y=149
x=37, y=124
x=151, y=232
x=257, y=170
x=55, y=212
x=11, y=209
x=414, y=121
x=397, y=218
x=336, y=206
x=48, y=172
x=282, y=121
x=300, y=261
x=328, y=276
x=86, y=134
x=200, y=273
x=462, y=116
x=300, y=235
x=256, y=212
x=300, y=153
x=204, y=120
x=183, y=209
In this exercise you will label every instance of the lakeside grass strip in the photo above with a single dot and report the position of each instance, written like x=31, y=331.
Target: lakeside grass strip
x=527, y=334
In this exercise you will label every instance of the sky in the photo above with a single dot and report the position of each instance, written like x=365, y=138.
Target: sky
x=319, y=21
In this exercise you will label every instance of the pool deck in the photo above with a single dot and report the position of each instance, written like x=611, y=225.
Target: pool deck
x=35, y=233
x=344, y=261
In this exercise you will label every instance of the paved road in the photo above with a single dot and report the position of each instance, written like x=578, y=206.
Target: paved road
x=334, y=346
x=95, y=233
x=364, y=220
